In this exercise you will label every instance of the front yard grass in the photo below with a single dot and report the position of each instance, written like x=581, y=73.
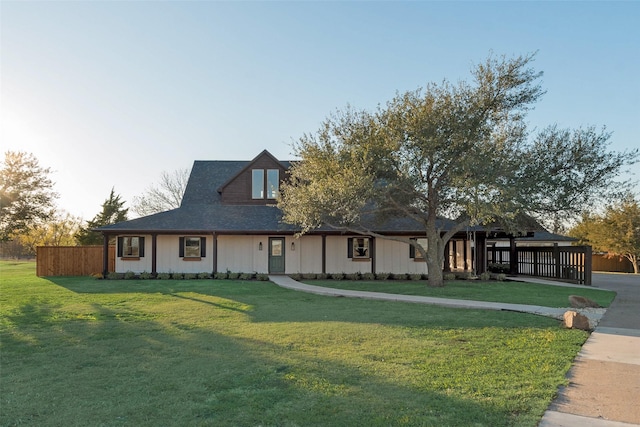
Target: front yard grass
x=508, y=292
x=79, y=351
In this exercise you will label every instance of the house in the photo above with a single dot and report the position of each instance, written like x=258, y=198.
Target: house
x=228, y=221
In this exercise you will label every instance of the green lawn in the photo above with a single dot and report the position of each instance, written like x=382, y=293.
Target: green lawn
x=509, y=292
x=79, y=351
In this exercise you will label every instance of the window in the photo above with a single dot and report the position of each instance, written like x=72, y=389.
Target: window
x=130, y=247
x=358, y=248
x=192, y=247
x=414, y=253
x=257, y=184
x=273, y=181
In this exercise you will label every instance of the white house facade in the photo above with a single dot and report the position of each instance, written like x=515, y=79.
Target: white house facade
x=228, y=221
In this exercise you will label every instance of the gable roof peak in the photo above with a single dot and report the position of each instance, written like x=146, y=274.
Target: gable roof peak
x=264, y=153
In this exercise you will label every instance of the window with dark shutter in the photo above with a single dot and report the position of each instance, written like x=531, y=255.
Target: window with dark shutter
x=358, y=248
x=192, y=247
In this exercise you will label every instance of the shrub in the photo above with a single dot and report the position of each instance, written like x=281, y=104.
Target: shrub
x=190, y=276
x=485, y=276
x=204, y=275
x=383, y=276
x=353, y=276
x=129, y=275
x=449, y=276
x=115, y=276
x=164, y=276
x=145, y=275
x=337, y=276
x=309, y=276
x=221, y=275
x=246, y=276
x=399, y=276
x=498, y=268
x=97, y=276
x=322, y=276
x=501, y=277
x=368, y=276
x=233, y=276
x=296, y=276
x=177, y=276
x=262, y=277
x=415, y=277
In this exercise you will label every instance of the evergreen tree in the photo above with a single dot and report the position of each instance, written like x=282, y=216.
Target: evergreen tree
x=113, y=211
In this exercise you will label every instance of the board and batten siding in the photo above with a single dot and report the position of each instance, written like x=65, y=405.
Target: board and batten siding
x=169, y=260
x=241, y=254
x=394, y=257
x=136, y=265
x=305, y=256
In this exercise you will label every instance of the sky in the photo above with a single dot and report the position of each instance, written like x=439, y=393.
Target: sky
x=109, y=94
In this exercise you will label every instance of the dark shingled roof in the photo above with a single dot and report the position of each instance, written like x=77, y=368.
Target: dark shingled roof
x=201, y=210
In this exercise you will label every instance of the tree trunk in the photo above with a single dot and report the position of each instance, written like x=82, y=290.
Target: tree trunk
x=435, y=258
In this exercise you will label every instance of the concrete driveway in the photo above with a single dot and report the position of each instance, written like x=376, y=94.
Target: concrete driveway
x=604, y=385
x=624, y=312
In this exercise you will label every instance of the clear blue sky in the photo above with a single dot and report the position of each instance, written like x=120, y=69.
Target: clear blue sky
x=110, y=94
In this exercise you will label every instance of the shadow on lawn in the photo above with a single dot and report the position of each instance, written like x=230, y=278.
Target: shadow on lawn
x=105, y=365
x=271, y=303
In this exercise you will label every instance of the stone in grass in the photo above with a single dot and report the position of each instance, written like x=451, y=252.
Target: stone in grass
x=577, y=301
x=575, y=320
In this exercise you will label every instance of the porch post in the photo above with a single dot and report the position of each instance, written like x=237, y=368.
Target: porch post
x=447, y=257
x=480, y=252
x=465, y=242
x=105, y=255
x=154, y=248
x=373, y=255
x=214, y=255
x=513, y=256
x=324, y=253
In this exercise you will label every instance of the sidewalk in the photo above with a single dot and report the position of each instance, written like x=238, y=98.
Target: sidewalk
x=604, y=387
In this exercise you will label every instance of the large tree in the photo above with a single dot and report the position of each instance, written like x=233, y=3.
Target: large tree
x=458, y=151
x=26, y=194
x=616, y=231
x=113, y=211
x=164, y=196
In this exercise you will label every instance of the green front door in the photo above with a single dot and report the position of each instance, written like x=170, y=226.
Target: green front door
x=276, y=255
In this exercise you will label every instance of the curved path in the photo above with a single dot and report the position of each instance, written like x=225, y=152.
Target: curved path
x=604, y=389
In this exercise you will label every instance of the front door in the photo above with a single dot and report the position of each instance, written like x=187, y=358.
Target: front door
x=276, y=255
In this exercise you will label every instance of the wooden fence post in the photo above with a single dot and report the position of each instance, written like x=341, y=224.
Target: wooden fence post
x=588, y=264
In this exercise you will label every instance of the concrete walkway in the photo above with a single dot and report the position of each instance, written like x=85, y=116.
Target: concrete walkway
x=604, y=389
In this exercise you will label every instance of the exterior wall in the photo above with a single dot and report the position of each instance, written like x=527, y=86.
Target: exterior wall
x=337, y=260
x=305, y=257
x=393, y=257
x=242, y=254
x=168, y=260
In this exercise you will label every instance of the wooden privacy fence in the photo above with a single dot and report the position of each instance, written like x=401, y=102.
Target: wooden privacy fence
x=616, y=263
x=566, y=263
x=72, y=260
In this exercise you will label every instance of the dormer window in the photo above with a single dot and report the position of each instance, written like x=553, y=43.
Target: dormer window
x=258, y=183
x=273, y=181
